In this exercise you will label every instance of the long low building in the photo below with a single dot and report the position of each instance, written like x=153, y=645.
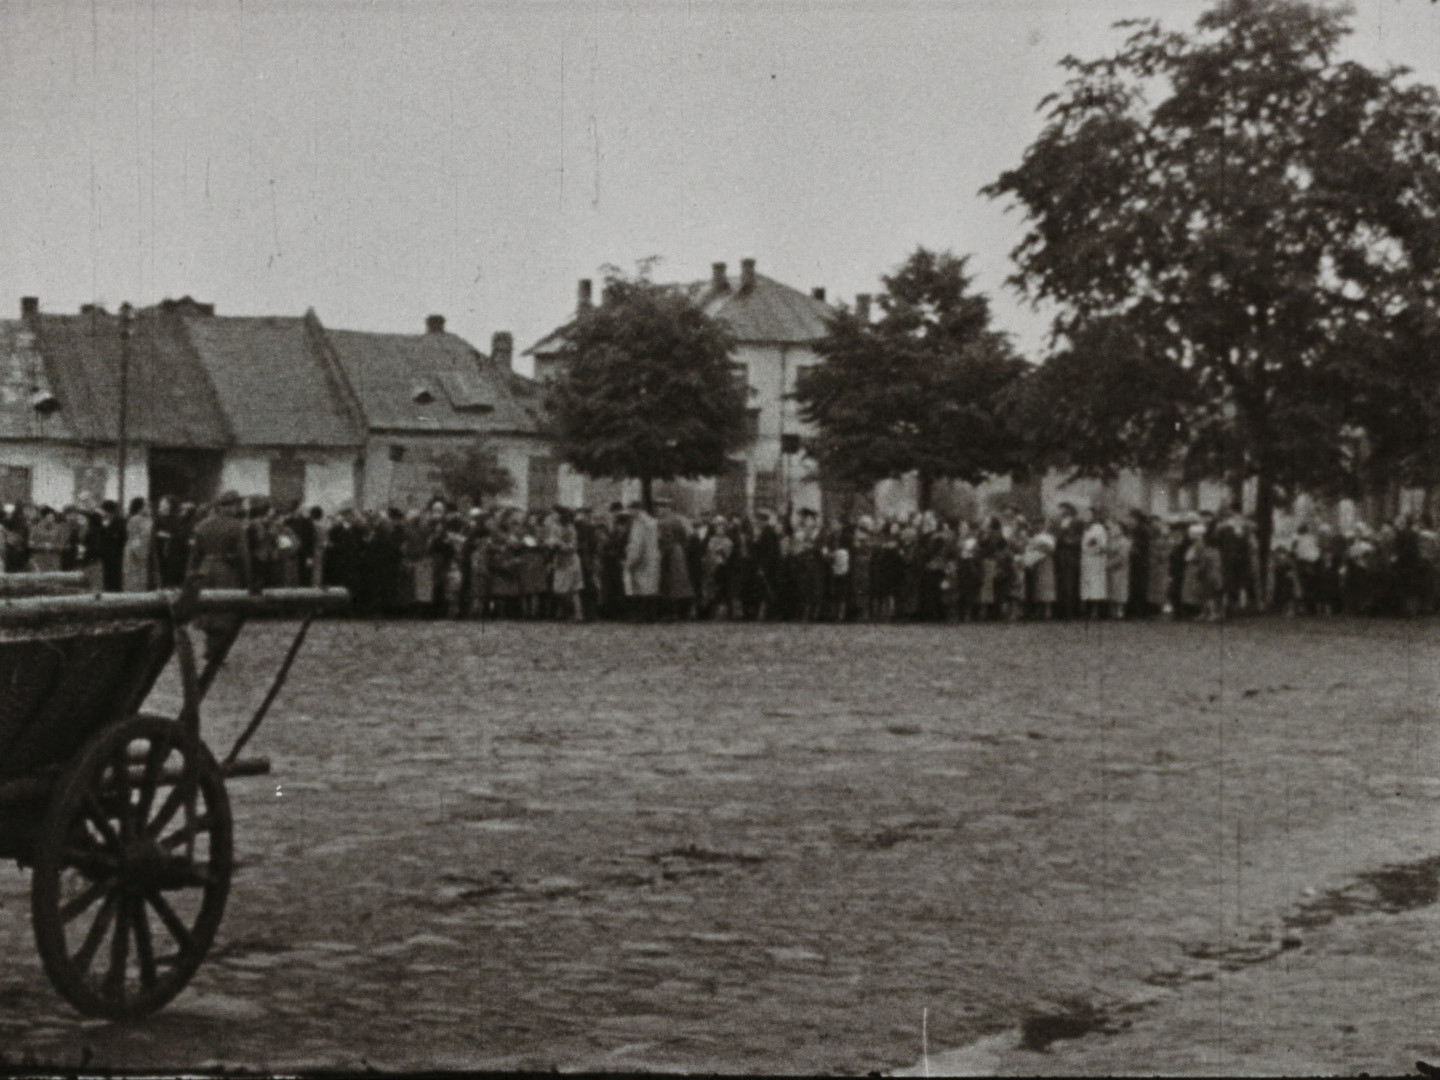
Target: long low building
x=268, y=405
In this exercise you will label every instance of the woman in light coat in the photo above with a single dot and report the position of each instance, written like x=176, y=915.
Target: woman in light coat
x=139, y=532
x=1095, y=566
x=1119, y=566
x=642, y=564
x=1040, y=556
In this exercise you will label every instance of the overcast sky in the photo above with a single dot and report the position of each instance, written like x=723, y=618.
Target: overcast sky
x=382, y=161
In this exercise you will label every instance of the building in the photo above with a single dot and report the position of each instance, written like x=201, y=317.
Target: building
x=424, y=395
x=297, y=433
x=60, y=423
x=271, y=405
x=775, y=328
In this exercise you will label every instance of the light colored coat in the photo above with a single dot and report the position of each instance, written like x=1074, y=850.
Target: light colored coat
x=139, y=531
x=1095, y=563
x=1119, y=568
x=642, y=557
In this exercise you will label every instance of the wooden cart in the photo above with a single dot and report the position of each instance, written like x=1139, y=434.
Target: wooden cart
x=122, y=816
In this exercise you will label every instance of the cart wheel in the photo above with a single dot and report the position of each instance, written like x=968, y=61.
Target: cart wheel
x=133, y=862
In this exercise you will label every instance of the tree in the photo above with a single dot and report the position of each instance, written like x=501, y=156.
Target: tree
x=920, y=389
x=1240, y=232
x=473, y=472
x=646, y=388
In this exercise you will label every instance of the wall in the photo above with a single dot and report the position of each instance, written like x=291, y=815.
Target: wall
x=52, y=470
x=246, y=472
x=771, y=372
x=330, y=481
x=329, y=475
x=409, y=483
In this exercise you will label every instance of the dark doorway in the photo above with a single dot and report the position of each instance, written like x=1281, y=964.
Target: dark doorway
x=185, y=475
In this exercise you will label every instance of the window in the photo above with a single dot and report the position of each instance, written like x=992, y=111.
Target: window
x=800, y=372
x=767, y=490
x=90, y=483
x=542, y=483
x=287, y=482
x=752, y=425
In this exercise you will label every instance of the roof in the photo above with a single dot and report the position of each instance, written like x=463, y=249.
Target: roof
x=770, y=312
x=23, y=380
x=170, y=401
x=434, y=382
x=274, y=381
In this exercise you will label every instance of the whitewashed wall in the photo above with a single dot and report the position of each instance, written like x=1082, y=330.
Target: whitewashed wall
x=52, y=470
x=330, y=481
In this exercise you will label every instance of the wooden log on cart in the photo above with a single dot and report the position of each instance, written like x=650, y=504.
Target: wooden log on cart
x=42, y=611
x=43, y=583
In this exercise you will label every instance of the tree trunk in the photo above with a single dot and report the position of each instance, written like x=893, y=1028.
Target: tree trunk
x=646, y=494
x=927, y=490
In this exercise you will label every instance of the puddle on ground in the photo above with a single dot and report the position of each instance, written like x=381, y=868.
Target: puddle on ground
x=1391, y=889
x=1072, y=1020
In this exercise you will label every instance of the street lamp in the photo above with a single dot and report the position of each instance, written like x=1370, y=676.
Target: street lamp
x=127, y=324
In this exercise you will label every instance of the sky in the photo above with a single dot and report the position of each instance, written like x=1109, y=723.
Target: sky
x=382, y=161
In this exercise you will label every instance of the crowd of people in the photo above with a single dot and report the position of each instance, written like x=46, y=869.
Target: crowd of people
x=627, y=563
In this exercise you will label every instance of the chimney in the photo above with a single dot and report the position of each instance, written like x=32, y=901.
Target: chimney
x=718, y=281
x=584, y=297
x=29, y=307
x=502, y=348
x=747, y=275
x=862, y=307
x=818, y=292
x=434, y=324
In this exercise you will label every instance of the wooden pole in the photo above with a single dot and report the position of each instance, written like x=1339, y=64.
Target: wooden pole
x=42, y=583
x=270, y=695
x=127, y=324
x=40, y=611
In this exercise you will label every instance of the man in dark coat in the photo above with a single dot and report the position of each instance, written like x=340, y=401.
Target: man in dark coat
x=303, y=526
x=612, y=564
x=109, y=545
x=1068, y=534
x=1140, y=534
x=767, y=566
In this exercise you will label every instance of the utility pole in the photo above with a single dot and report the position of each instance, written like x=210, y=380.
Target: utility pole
x=127, y=325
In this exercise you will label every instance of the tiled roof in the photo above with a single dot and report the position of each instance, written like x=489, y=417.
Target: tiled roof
x=170, y=401
x=770, y=312
x=434, y=382
x=22, y=378
x=274, y=381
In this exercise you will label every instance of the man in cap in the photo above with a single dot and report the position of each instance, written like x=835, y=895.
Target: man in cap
x=220, y=557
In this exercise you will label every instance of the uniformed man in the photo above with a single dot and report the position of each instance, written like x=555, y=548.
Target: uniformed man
x=220, y=557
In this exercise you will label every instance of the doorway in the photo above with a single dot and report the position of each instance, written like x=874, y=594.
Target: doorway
x=191, y=476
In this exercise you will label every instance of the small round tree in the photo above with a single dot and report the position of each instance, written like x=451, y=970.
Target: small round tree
x=645, y=388
x=473, y=472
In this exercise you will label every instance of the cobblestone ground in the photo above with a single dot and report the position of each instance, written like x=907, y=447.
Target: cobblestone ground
x=793, y=849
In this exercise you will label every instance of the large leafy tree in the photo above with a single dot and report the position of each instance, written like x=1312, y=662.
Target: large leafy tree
x=646, y=388
x=919, y=389
x=1240, y=232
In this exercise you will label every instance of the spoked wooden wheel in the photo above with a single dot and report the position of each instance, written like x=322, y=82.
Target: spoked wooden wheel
x=132, y=869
